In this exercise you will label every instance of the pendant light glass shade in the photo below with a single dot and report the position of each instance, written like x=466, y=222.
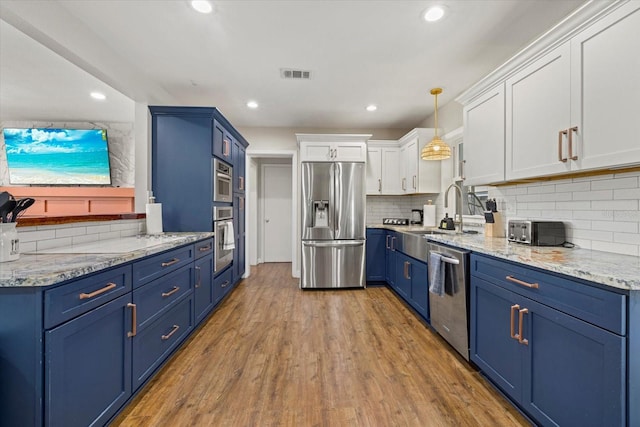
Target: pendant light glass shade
x=436, y=149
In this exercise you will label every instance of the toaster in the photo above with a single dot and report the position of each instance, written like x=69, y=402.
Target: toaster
x=536, y=233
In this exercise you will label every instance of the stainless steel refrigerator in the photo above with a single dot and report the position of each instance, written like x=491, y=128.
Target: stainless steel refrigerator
x=333, y=225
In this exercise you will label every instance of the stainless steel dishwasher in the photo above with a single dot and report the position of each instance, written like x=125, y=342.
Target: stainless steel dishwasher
x=450, y=312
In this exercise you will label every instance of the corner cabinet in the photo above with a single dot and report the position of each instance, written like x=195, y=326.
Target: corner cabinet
x=555, y=346
x=332, y=147
x=383, y=171
x=418, y=176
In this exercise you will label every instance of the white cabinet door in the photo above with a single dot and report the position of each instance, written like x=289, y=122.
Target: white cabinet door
x=349, y=152
x=410, y=167
x=606, y=90
x=316, y=152
x=374, y=171
x=484, y=138
x=538, y=112
x=391, y=167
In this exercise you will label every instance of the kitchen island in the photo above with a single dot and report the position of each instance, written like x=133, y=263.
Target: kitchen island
x=86, y=326
x=555, y=329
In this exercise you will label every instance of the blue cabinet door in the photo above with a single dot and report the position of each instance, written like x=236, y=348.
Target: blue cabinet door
x=239, y=213
x=403, y=276
x=239, y=167
x=182, y=170
x=203, y=295
x=575, y=372
x=390, y=258
x=222, y=143
x=420, y=287
x=375, y=251
x=493, y=349
x=88, y=366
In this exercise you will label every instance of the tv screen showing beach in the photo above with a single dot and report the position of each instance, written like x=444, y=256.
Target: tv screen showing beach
x=57, y=156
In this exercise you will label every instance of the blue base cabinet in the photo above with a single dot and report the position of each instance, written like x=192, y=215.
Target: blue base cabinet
x=375, y=255
x=390, y=258
x=559, y=368
x=412, y=283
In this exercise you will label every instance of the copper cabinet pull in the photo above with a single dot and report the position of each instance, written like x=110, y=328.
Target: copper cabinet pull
x=171, y=292
x=225, y=147
x=513, y=327
x=387, y=241
x=109, y=286
x=520, y=282
x=241, y=185
x=199, y=281
x=520, y=316
x=241, y=203
x=204, y=248
x=168, y=263
x=393, y=243
x=134, y=320
x=173, y=331
x=560, y=158
x=225, y=284
x=408, y=275
x=379, y=186
x=571, y=131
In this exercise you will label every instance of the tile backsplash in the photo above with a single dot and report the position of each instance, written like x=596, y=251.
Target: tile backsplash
x=379, y=207
x=600, y=212
x=52, y=236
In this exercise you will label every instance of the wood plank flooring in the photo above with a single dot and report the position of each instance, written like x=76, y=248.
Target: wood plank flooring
x=273, y=355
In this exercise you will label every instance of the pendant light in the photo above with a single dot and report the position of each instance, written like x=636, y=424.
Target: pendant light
x=437, y=149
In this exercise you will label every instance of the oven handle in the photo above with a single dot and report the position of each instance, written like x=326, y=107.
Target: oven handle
x=447, y=259
x=223, y=176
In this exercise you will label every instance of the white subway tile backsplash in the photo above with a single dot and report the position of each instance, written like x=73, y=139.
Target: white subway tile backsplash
x=602, y=236
x=626, y=216
x=97, y=229
x=615, y=183
x=34, y=236
x=631, y=227
x=616, y=205
x=593, y=195
x=574, y=186
x=109, y=235
x=627, y=193
x=576, y=206
x=619, y=248
x=27, y=247
x=543, y=189
x=53, y=243
x=69, y=232
x=627, y=237
x=594, y=215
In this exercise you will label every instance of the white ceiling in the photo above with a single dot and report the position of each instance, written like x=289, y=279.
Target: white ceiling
x=162, y=52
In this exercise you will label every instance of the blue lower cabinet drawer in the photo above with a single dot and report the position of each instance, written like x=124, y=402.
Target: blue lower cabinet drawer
x=154, y=298
x=203, y=248
x=153, y=345
x=75, y=298
x=158, y=265
x=222, y=284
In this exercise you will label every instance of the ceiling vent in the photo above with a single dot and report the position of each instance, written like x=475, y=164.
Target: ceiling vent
x=289, y=73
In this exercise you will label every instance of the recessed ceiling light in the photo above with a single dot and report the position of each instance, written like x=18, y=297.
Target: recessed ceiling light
x=99, y=96
x=433, y=14
x=372, y=107
x=252, y=104
x=202, y=6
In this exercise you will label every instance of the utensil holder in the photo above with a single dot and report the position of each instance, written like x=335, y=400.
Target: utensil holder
x=495, y=229
x=9, y=242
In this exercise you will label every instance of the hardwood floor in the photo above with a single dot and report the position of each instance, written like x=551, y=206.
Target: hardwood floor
x=273, y=355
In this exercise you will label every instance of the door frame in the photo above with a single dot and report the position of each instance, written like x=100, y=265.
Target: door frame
x=252, y=202
x=262, y=211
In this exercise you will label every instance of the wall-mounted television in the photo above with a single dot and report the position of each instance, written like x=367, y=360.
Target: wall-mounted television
x=46, y=156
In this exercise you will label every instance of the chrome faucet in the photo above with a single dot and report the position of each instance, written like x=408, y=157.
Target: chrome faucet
x=446, y=201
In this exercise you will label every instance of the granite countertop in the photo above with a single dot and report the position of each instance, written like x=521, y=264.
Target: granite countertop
x=610, y=269
x=56, y=265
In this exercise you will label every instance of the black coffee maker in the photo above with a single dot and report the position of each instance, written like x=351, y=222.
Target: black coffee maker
x=447, y=223
x=416, y=216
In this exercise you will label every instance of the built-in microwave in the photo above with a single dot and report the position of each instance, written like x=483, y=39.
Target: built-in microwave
x=222, y=181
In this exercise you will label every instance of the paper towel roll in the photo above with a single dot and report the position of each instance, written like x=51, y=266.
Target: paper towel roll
x=429, y=215
x=154, y=218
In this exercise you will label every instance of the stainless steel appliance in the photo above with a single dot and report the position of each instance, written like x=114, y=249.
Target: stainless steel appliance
x=333, y=225
x=395, y=221
x=416, y=216
x=222, y=182
x=450, y=312
x=537, y=233
x=222, y=227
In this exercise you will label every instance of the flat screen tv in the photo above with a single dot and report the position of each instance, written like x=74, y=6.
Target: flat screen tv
x=57, y=156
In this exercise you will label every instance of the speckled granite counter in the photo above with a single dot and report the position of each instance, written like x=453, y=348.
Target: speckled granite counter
x=615, y=270
x=46, y=269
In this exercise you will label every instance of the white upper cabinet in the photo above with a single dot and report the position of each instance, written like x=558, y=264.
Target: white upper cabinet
x=538, y=114
x=383, y=168
x=570, y=101
x=418, y=176
x=484, y=142
x=605, y=89
x=321, y=148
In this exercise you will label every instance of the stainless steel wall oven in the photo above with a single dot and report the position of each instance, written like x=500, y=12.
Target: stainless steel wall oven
x=224, y=236
x=222, y=182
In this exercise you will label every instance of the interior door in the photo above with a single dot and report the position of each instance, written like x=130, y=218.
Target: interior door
x=277, y=191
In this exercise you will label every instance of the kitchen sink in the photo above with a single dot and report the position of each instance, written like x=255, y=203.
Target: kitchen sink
x=424, y=232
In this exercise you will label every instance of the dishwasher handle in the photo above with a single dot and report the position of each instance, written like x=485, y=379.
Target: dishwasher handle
x=447, y=259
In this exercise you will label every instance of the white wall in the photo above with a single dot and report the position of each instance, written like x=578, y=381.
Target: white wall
x=121, y=147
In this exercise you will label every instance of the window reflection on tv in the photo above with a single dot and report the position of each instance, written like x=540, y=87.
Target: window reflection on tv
x=57, y=156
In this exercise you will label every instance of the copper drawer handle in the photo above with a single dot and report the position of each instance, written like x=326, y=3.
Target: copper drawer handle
x=225, y=284
x=387, y=241
x=520, y=282
x=520, y=316
x=241, y=185
x=241, y=203
x=171, y=292
x=204, y=248
x=168, y=263
x=513, y=327
x=571, y=131
x=134, y=320
x=560, y=158
x=173, y=331
x=109, y=286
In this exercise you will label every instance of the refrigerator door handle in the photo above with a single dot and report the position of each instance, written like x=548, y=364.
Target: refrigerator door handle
x=332, y=243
